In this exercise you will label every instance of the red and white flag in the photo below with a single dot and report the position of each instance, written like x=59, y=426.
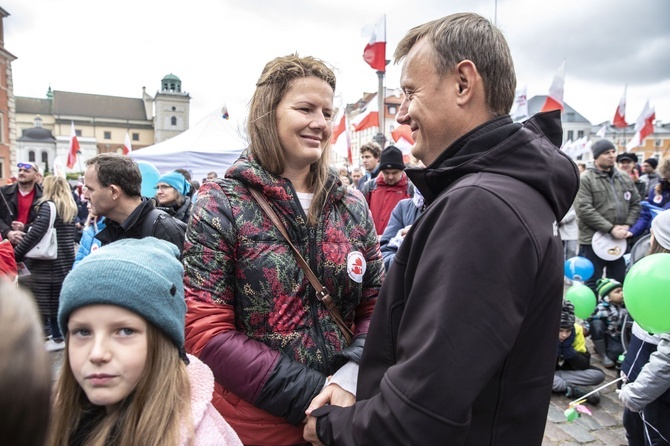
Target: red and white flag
x=338, y=128
x=127, y=147
x=555, y=99
x=342, y=146
x=402, y=135
x=375, y=51
x=620, y=113
x=74, y=148
x=369, y=116
x=643, y=127
x=521, y=100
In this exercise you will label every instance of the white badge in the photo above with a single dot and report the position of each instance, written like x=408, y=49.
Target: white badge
x=658, y=199
x=356, y=266
x=626, y=196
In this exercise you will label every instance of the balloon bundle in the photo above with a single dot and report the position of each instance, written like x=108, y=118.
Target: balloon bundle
x=576, y=407
x=578, y=269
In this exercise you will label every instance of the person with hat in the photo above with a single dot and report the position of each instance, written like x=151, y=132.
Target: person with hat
x=607, y=321
x=649, y=177
x=628, y=162
x=385, y=192
x=607, y=205
x=17, y=203
x=173, y=195
x=126, y=378
x=573, y=360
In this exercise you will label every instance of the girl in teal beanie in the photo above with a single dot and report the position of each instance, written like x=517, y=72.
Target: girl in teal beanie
x=125, y=378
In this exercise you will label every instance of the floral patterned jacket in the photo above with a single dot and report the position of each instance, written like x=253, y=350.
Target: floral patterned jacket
x=253, y=316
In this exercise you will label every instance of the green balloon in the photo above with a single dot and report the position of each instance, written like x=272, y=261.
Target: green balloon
x=647, y=293
x=583, y=298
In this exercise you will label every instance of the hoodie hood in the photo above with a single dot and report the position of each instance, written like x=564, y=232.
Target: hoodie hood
x=528, y=153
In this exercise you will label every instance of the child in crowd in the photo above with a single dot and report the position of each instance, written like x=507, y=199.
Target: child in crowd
x=607, y=321
x=125, y=377
x=646, y=368
x=573, y=362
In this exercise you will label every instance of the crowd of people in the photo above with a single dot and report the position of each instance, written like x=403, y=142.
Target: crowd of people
x=289, y=302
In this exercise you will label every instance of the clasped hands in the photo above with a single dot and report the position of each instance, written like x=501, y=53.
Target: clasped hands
x=332, y=394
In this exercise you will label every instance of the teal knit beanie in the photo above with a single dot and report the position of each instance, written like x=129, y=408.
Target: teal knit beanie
x=176, y=180
x=605, y=286
x=141, y=275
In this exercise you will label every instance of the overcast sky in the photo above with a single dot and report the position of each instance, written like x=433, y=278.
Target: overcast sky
x=218, y=47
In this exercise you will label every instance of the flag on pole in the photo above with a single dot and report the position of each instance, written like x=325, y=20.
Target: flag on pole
x=127, y=147
x=555, y=99
x=643, y=127
x=342, y=146
x=601, y=131
x=375, y=51
x=339, y=128
x=369, y=116
x=521, y=101
x=620, y=113
x=74, y=148
x=403, y=131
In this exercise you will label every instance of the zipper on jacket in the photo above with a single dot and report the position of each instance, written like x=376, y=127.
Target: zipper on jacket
x=315, y=303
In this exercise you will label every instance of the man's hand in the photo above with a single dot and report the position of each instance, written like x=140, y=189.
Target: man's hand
x=18, y=226
x=15, y=237
x=309, y=432
x=332, y=394
x=619, y=231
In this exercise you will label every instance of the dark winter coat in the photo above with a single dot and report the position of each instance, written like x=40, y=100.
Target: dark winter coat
x=462, y=344
x=46, y=276
x=253, y=316
x=7, y=216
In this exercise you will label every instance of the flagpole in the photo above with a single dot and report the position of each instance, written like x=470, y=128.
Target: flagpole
x=381, y=137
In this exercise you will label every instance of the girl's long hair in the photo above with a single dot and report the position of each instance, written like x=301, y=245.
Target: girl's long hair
x=275, y=80
x=58, y=190
x=152, y=415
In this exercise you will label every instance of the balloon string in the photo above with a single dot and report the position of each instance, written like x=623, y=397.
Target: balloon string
x=583, y=398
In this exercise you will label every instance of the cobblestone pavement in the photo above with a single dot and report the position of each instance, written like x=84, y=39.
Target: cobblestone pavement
x=603, y=428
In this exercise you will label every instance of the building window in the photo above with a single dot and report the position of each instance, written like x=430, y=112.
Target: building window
x=31, y=156
x=2, y=128
x=174, y=108
x=580, y=133
x=2, y=168
x=393, y=110
x=173, y=120
x=45, y=158
x=136, y=136
x=571, y=134
x=77, y=132
x=108, y=135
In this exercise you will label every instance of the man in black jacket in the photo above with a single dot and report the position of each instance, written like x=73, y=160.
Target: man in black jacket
x=17, y=208
x=462, y=343
x=113, y=186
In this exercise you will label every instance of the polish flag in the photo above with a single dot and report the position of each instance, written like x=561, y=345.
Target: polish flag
x=375, y=51
x=127, y=147
x=404, y=132
x=620, y=113
x=369, y=116
x=74, y=148
x=643, y=127
x=555, y=99
x=339, y=128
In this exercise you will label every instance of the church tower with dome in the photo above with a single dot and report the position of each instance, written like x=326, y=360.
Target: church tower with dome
x=171, y=108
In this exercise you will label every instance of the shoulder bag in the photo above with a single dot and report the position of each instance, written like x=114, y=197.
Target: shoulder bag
x=321, y=292
x=47, y=248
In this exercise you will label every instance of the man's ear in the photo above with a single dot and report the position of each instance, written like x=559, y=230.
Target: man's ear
x=116, y=191
x=468, y=78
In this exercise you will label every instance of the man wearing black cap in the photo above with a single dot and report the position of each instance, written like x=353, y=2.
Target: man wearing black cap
x=650, y=177
x=607, y=202
x=627, y=162
x=385, y=191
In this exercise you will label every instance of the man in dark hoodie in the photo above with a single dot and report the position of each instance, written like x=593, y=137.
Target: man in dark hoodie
x=462, y=344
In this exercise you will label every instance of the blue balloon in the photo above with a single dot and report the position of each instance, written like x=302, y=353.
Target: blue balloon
x=578, y=268
x=150, y=176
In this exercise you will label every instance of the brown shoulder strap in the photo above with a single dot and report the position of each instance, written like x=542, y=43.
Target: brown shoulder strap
x=321, y=292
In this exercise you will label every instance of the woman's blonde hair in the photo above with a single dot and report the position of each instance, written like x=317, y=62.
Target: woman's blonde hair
x=151, y=415
x=25, y=371
x=58, y=190
x=275, y=80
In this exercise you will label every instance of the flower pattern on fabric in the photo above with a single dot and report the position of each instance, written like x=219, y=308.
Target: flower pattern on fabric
x=235, y=256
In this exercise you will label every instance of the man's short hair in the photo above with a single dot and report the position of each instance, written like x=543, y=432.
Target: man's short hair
x=119, y=170
x=213, y=173
x=469, y=36
x=372, y=147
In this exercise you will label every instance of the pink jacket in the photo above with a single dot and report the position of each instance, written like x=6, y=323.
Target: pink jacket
x=210, y=428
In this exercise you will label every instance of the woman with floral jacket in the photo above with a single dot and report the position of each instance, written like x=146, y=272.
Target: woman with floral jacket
x=253, y=316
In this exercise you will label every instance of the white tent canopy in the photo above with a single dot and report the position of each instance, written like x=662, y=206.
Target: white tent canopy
x=213, y=144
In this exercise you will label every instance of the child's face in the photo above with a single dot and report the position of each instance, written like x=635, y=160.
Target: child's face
x=107, y=351
x=616, y=295
x=564, y=333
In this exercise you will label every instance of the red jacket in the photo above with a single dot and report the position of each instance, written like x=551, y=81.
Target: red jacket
x=382, y=198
